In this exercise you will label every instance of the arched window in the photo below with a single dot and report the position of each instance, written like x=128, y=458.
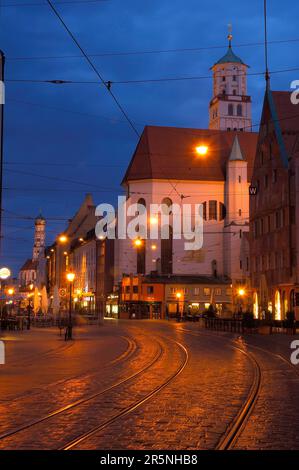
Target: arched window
x=166, y=202
x=141, y=258
x=141, y=249
x=141, y=201
x=239, y=110
x=222, y=211
x=204, y=210
x=214, y=268
x=277, y=311
x=166, y=253
x=230, y=110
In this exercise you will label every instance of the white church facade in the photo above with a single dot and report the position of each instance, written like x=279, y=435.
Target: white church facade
x=211, y=167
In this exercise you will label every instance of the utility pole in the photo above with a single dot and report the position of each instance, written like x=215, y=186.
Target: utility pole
x=2, y=98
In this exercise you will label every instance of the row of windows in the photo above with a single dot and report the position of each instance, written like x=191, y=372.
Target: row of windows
x=213, y=211
x=271, y=222
x=266, y=179
x=196, y=290
x=234, y=78
x=184, y=290
x=273, y=260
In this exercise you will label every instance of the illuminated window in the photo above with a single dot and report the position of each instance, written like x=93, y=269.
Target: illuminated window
x=207, y=291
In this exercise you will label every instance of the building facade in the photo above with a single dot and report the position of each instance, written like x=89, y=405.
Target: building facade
x=212, y=167
x=274, y=209
x=78, y=250
x=163, y=297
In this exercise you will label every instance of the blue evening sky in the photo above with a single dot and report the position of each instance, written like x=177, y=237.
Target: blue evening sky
x=62, y=141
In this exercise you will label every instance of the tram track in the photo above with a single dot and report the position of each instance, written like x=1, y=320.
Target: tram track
x=132, y=347
x=131, y=408
x=236, y=426
x=83, y=400
x=88, y=400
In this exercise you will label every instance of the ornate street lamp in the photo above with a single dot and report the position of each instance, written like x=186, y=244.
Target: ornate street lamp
x=70, y=276
x=29, y=306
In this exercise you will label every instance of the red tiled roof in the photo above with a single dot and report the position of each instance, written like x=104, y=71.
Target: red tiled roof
x=169, y=153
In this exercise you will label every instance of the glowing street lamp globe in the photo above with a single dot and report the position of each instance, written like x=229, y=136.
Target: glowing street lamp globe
x=70, y=276
x=4, y=273
x=62, y=238
x=202, y=150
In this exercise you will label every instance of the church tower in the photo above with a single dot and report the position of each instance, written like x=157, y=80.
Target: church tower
x=39, y=236
x=230, y=107
x=237, y=211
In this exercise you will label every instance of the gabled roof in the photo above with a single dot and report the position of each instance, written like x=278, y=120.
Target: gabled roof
x=169, y=153
x=29, y=265
x=285, y=118
x=230, y=58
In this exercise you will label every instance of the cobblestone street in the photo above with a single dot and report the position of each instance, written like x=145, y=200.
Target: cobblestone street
x=146, y=385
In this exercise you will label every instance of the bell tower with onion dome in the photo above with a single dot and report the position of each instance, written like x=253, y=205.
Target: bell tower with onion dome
x=230, y=107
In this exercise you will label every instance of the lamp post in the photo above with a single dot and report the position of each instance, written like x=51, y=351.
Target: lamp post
x=241, y=294
x=29, y=307
x=69, y=331
x=178, y=296
x=11, y=292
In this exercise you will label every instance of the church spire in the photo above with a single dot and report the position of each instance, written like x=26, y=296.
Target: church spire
x=236, y=152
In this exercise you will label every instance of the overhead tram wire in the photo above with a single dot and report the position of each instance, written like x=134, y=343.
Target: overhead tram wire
x=154, y=51
x=106, y=84
x=110, y=83
x=63, y=2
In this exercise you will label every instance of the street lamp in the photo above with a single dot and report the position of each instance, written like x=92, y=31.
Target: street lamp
x=202, y=150
x=62, y=239
x=137, y=243
x=178, y=296
x=70, y=276
x=4, y=273
x=29, y=306
x=241, y=293
x=10, y=292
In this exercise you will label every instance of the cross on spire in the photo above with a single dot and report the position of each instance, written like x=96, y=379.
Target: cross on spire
x=230, y=35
